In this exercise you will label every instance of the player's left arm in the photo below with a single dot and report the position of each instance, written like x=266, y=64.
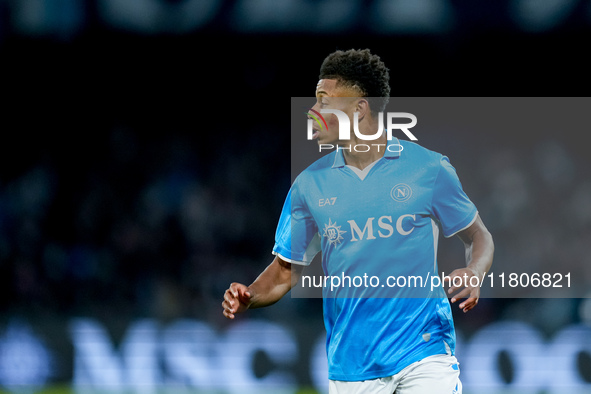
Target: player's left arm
x=479, y=257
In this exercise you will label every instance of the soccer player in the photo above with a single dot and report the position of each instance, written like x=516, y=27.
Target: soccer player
x=385, y=209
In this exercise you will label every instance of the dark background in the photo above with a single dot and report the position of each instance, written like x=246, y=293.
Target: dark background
x=143, y=166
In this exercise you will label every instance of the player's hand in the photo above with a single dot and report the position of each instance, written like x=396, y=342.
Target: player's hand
x=236, y=300
x=468, y=290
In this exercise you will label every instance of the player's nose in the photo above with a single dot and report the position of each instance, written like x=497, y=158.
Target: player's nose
x=316, y=107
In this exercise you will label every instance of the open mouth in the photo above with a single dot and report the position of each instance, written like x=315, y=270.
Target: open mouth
x=316, y=127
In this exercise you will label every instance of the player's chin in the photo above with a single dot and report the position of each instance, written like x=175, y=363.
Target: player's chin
x=326, y=140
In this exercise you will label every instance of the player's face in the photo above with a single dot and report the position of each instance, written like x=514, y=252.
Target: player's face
x=331, y=96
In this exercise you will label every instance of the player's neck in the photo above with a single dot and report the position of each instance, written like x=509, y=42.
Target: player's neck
x=358, y=157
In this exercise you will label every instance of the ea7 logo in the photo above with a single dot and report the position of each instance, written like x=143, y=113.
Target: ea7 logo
x=385, y=227
x=327, y=201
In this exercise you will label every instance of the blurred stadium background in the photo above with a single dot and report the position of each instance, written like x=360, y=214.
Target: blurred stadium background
x=144, y=161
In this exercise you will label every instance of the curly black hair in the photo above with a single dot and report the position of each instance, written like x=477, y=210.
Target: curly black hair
x=358, y=67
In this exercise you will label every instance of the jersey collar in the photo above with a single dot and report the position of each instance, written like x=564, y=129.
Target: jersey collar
x=393, y=150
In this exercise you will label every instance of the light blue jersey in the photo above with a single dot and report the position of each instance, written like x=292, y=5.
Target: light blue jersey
x=382, y=222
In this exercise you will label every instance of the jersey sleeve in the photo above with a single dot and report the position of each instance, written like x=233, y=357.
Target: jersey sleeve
x=451, y=206
x=296, y=239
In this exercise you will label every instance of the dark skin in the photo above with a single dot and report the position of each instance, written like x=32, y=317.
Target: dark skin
x=280, y=276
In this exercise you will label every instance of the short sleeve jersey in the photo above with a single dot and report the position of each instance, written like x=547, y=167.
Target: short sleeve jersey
x=382, y=222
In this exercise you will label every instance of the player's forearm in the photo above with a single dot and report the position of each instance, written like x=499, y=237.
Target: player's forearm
x=480, y=252
x=273, y=283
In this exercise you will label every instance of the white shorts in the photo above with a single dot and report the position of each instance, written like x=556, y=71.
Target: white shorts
x=438, y=374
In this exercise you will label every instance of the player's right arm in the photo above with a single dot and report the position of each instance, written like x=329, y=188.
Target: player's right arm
x=272, y=284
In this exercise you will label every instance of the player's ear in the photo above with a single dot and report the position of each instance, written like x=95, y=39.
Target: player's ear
x=363, y=108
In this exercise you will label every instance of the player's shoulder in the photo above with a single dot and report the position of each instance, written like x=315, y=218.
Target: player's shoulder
x=324, y=163
x=419, y=154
